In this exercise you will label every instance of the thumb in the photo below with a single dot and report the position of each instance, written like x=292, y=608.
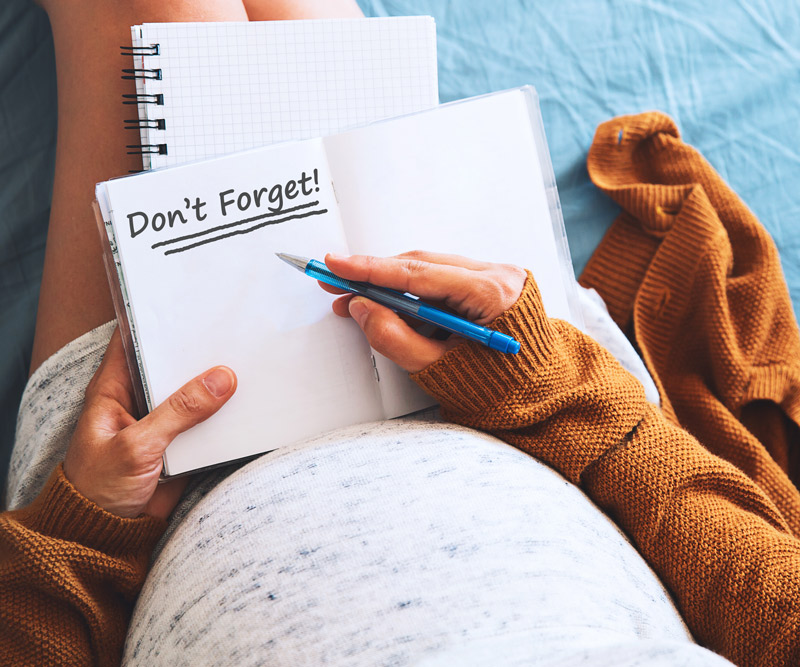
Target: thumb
x=388, y=334
x=193, y=403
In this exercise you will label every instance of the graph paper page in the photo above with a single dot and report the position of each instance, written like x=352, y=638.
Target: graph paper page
x=227, y=87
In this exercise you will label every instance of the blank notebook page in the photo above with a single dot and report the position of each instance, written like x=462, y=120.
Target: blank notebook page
x=227, y=87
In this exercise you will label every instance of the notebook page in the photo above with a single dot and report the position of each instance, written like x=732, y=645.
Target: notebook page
x=233, y=86
x=464, y=179
x=210, y=291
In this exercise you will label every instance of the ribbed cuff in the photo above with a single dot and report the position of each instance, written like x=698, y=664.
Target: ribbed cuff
x=471, y=378
x=60, y=511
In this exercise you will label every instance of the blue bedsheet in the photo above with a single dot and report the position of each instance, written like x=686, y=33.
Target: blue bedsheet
x=727, y=71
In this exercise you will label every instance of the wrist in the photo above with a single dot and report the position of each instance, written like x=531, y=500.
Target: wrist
x=61, y=512
x=470, y=377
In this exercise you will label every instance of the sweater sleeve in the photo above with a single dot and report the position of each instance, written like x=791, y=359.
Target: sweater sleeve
x=711, y=534
x=69, y=575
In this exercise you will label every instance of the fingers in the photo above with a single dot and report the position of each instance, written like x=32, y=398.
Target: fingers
x=405, y=274
x=446, y=259
x=479, y=291
x=116, y=462
x=342, y=305
x=112, y=380
x=330, y=288
x=394, y=338
x=193, y=403
x=166, y=497
x=414, y=255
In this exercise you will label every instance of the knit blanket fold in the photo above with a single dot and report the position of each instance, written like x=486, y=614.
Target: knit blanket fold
x=695, y=281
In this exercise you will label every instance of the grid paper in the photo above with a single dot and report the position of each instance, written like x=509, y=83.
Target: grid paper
x=233, y=86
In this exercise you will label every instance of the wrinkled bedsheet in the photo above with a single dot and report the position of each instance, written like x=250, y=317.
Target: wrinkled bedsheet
x=727, y=71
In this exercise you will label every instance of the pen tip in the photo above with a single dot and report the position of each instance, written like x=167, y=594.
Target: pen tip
x=299, y=263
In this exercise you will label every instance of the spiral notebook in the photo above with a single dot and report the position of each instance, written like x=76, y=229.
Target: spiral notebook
x=206, y=89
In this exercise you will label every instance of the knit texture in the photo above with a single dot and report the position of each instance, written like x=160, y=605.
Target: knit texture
x=69, y=575
x=695, y=281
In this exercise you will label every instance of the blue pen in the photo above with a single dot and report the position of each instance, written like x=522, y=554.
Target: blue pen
x=405, y=304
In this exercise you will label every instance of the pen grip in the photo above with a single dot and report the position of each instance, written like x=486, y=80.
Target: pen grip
x=457, y=325
x=401, y=303
x=386, y=297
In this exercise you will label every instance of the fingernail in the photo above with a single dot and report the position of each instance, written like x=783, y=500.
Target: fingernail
x=358, y=311
x=335, y=255
x=219, y=381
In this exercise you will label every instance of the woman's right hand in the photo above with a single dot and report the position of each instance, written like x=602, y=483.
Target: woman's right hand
x=478, y=291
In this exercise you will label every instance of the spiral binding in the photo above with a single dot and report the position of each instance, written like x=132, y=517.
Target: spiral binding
x=151, y=124
x=141, y=73
x=152, y=50
x=140, y=98
x=148, y=149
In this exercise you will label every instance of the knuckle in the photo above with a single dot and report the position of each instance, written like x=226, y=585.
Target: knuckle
x=513, y=271
x=515, y=278
x=412, y=269
x=110, y=390
x=126, y=448
x=493, y=296
x=416, y=266
x=371, y=266
x=507, y=281
x=185, y=403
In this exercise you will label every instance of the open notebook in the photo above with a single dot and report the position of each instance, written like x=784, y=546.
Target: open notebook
x=206, y=89
x=195, y=276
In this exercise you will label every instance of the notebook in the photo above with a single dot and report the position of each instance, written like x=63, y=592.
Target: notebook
x=206, y=89
x=191, y=261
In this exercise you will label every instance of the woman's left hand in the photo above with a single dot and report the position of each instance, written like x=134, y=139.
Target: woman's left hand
x=115, y=460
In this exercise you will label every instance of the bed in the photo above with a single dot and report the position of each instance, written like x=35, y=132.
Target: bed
x=727, y=71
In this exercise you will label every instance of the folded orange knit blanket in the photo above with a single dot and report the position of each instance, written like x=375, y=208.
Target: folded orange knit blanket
x=695, y=281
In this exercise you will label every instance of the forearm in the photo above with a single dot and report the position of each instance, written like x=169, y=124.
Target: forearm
x=710, y=533
x=563, y=398
x=69, y=575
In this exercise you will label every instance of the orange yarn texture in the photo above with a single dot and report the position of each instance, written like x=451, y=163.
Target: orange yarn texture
x=693, y=278
x=69, y=576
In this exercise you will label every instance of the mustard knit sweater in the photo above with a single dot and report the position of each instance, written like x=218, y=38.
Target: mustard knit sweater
x=689, y=273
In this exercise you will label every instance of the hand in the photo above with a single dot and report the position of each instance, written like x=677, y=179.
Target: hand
x=477, y=291
x=115, y=460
